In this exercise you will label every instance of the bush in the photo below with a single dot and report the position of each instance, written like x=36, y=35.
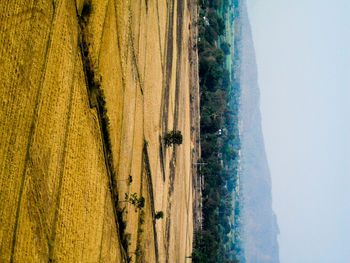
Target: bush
x=173, y=137
x=225, y=47
x=87, y=9
x=159, y=215
x=138, y=202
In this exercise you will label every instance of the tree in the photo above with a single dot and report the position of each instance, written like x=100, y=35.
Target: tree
x=138, y=202
x=159, y=215
x=173, y=137
x=225, y=47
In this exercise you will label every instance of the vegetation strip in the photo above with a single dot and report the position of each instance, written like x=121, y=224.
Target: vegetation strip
x=97, y=100
x=216, y=241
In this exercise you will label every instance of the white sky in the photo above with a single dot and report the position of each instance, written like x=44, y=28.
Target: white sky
x=303, y=57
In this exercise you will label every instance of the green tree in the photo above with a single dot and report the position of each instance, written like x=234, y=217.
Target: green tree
x=173, y=137
x=159, y=215
x=138, y=202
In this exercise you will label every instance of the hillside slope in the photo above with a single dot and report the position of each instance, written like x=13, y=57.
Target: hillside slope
x=260, y=226
x=63, y=169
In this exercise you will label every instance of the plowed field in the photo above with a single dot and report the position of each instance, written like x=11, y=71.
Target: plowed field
x=56, y=201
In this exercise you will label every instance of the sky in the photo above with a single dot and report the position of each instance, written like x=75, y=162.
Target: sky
x=303, y=58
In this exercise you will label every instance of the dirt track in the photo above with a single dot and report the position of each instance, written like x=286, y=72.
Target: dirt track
x=56, y=204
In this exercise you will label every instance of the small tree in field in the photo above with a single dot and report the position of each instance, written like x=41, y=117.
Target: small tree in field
x=173, y=137
x=159, y=215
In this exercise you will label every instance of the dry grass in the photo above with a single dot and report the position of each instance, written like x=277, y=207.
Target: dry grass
x=56, y=204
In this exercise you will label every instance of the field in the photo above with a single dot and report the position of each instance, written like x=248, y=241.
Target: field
x=62, y=183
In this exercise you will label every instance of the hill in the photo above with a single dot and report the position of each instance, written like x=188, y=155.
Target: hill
x=259, y=221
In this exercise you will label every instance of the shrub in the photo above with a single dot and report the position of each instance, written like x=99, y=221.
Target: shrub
x=138, y=202
x=87, y=9
x=129, y=179
x=159, y=215
x=225, y=47
x=173, y=137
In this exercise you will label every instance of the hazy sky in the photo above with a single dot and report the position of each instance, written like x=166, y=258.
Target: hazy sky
x=303, y=57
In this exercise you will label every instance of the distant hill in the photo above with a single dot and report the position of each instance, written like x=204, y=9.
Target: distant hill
x=260, y=227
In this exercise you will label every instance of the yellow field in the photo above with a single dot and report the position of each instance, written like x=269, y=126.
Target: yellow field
x=56, y=204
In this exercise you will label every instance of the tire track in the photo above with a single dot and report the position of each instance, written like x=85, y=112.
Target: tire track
x=103, y=225
x=131, y=44
x=168, y=70
x=172, y=172
x=168, y=64
x=122, y=74
x=52, y=239
x=165, y=106
x=102, y=34
x=150, y=192
x=32, y=128
x=139, y=225
x=160, y=40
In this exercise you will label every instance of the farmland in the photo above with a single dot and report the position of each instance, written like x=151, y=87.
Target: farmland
x=68, y=157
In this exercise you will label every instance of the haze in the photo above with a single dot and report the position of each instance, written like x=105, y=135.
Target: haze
x=303, y=58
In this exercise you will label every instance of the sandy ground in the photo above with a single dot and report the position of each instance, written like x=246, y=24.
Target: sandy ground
x=56, y=205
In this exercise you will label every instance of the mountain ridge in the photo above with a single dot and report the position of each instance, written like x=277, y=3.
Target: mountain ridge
x=260, y=228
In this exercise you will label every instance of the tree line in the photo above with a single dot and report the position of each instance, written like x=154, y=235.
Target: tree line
x=219, y=140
